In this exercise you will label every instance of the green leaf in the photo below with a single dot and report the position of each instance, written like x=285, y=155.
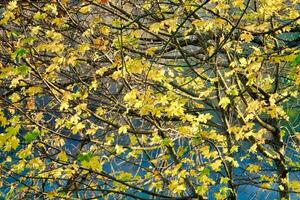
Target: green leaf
x=205, y=172
x=84, y=156
x=296, y=61
x=29, y=40
x=22, y=70
x=18, y=54
x=9, y=194
x=167, y=142
x=11, y=131
x=30, y=136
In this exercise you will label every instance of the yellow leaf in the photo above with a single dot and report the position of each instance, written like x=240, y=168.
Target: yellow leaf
x=62, y=156
x=25, y=152
x=222, y=6
x=59, y=21
x=151, y=51
x=7, y=15
x=238, y=3
x=202, y=190
x=177, y=187
x=101, y=71
x=15, y=82
x=185, y=130
x=119, y=149
x=93, y=85
x=39, y=16
x=253, y=168
x=54, y=35
x=123, y=129
x=78, y=127
x=224, y=102
x=175, y=108
x=12, y=143
x=281, y=188
x=100, y=43
x=91, y=131
x=266, y=185
x=133, y=140
x=52, y=194
x=135, y=66
x=83, y=48
x=95, y=164
x=35, y=30
x=154, y=28
x=51, y=8
x=297, y=135
x=12, y=5
x=34, y=90
x=85, y=164
x=100, y=111
x=171, y=24
x=131, y=96
x=64, y=2
x=205, y=151
x=104, y=30
x=3, y=121
x=64, y=105
x=15, y=97
x=85, y=9
x=18, y=167
x=156, y=185
x=234, y=149
x=216, y=165
x=155, y=139
x=156, y=75
x=224, y=180
x=36, y=163
x=247, y=37
x=72, y=60
x=298, y=78
x=253, y=148
x=116, y=75
x=203, y=118
x=293, y=14
x=295, y=186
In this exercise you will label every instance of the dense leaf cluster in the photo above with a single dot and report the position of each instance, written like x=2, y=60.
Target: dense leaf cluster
x=149, y=99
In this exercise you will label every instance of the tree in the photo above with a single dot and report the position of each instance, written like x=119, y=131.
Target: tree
x=181, y=99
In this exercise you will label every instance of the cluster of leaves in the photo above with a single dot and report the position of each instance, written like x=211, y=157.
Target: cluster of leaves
x=149, y=99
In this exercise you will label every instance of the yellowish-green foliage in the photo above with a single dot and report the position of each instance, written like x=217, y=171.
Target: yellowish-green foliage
x=149, y=99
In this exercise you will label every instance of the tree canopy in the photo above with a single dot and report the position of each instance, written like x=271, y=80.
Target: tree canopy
x=149, y=99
